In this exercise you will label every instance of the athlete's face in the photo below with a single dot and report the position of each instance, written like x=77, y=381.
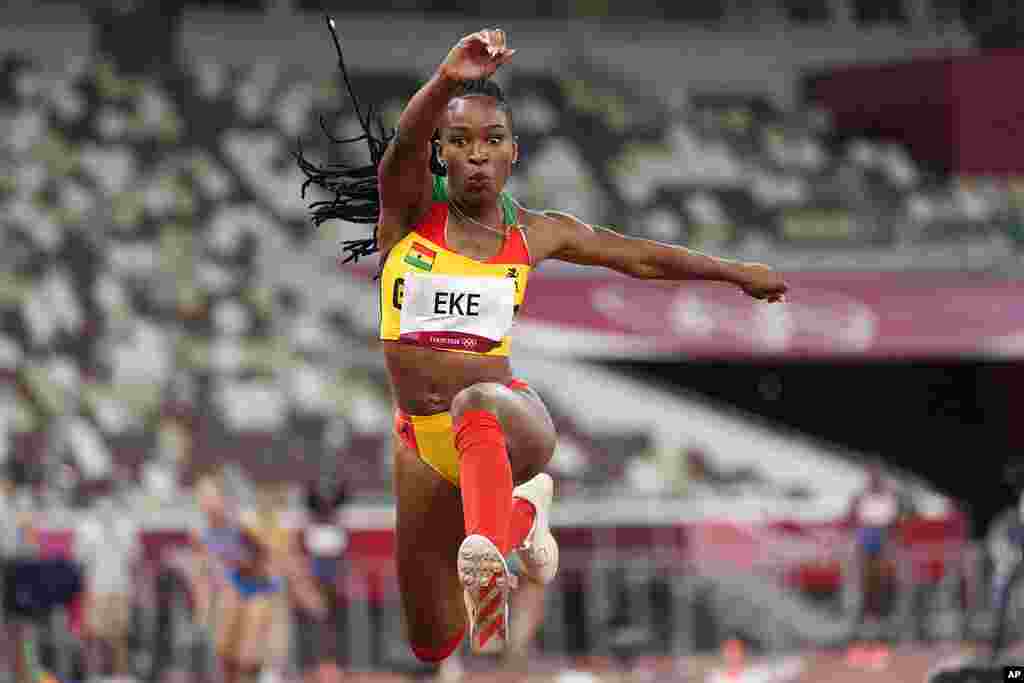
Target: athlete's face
x=214, y=507
x=477, y=145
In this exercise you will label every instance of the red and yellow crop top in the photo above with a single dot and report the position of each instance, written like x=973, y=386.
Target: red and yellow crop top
x=432, y=296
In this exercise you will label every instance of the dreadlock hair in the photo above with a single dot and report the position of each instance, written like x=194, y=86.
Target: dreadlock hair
x=355, y=188
x=356, y=195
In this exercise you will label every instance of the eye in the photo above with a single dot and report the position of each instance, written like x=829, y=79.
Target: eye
x=496, y=139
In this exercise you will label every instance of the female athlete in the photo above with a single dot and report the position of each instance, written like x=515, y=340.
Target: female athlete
x=236, y=587
x=456, y=255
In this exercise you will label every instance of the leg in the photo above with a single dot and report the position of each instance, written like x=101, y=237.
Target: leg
x=1004, y=597
x=502, y=435
x=528, y=605
x=202, y=590
x=334, y=640
x=20, y=632
x=428, y=533
x=94, y=628
x=281, y=635
x=525, y=422
x=109, y=632
x=318, y=660
x=227, y=631
x=256, y=648
x=307, y=643
x=317, y=650
x=121, y=614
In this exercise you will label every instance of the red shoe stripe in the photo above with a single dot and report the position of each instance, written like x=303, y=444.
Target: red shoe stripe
x=491, y=606
x=491, y=629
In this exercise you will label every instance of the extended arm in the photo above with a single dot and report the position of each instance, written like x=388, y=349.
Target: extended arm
x=576, y=242
x=404, y=170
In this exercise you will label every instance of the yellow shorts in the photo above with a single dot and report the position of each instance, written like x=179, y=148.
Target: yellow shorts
x=433, y=437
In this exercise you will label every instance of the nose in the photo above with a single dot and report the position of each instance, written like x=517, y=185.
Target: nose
x=478, y=153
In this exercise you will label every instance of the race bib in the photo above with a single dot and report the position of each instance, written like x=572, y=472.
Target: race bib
x=457, y=312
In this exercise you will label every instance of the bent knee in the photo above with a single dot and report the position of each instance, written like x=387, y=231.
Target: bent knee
x=480, y=396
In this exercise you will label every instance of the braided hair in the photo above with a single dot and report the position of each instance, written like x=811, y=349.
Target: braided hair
x=355, y=190
x=356, y=194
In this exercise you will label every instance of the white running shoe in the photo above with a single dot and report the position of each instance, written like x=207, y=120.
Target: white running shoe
x=539, y=552
x=487, y=582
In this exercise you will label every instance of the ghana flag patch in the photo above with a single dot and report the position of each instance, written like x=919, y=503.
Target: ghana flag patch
x=420, y=256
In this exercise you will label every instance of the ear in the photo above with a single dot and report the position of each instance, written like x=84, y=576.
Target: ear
x=515, y=150
x=436, y=166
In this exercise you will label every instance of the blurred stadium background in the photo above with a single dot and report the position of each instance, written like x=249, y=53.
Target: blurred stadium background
x=166, y=309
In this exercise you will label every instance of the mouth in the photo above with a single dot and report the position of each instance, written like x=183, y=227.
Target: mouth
x=478, y=179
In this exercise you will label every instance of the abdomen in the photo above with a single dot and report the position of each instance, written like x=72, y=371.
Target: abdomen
x=425, y=380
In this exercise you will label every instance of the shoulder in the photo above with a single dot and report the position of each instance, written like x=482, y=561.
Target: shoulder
x=550, y=231
x=397, y=222
x=549, y=218
x=428, y=218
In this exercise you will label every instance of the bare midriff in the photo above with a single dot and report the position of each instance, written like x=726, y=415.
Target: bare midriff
x=425, y=380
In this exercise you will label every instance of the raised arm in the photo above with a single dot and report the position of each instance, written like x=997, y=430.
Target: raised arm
x=404, y=172
x=569, y=239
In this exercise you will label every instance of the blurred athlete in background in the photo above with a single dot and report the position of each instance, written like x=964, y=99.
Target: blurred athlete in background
x=235, y=586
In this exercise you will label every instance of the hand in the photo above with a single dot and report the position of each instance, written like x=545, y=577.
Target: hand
x=477, y=56
x=762, y=282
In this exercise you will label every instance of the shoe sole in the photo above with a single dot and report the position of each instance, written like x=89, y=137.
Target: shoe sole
x=488, y=583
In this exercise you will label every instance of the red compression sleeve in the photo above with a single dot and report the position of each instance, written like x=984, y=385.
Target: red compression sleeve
x=485, y=476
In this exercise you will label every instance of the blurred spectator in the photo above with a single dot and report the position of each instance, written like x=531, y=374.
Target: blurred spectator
x=528, y=608
x=321, y=623
x=8, y=549
x=107, y=545
x=873, y=515
x=1005, y=540
x=216, y=537
x=238, y=590
x=33, y=587
x=272, y=524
